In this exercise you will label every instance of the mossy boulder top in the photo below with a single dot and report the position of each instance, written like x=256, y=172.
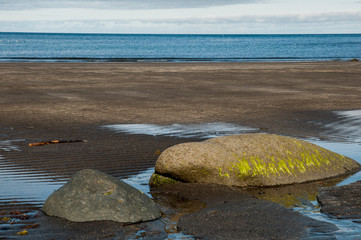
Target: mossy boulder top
x=91, y=195
x=249, y=160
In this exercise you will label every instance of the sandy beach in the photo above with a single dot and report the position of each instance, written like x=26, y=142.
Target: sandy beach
x=47, y=101
x=281, y=97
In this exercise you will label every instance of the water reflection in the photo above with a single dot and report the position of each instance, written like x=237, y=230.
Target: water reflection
x=346, y=128
x=295, y=195
x=201, y=130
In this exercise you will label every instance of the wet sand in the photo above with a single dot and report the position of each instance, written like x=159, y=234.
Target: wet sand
x=46, y=101
x=280, y=97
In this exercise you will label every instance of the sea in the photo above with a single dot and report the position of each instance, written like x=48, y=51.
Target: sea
x=60, y=47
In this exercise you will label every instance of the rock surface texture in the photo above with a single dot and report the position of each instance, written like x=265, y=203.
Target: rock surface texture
x=342, y=201
x=91, y=195
x=249, y=160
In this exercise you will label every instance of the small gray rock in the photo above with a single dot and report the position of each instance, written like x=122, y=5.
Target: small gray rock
x=91, y=195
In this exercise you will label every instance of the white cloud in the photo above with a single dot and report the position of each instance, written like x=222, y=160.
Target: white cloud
x=118, y=4
x=322, y=22
x=187, y=16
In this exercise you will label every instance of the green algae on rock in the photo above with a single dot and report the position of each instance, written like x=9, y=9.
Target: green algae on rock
x=249, y=160
x=159, y=180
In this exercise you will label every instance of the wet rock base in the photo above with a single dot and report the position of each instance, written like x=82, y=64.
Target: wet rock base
x=231, y=214
x=342, y=202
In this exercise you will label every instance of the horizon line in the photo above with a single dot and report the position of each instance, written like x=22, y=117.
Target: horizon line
x=99, y=33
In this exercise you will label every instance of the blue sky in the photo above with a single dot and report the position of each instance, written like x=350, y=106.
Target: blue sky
x=186, y=16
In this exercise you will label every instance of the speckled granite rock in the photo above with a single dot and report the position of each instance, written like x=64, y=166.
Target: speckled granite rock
x=91, y=195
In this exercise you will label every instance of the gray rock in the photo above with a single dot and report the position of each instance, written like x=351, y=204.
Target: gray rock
x=91, y=195
x=341, y=202
x=249, y=160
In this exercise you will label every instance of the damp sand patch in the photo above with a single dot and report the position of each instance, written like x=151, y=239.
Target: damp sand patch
x=201, y=130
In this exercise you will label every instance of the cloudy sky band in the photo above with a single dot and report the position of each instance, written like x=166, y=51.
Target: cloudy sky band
x=187, y=16
x=118, y=4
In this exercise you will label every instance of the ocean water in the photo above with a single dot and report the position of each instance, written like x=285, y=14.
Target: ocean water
x=46, y=47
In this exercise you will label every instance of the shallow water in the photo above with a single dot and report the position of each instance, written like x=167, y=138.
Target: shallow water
x=21, y=187
x=346, y=129
x=200, y=130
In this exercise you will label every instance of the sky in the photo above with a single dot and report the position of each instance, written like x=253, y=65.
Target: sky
x=182, y=16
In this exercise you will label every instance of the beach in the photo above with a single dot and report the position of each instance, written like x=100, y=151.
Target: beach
x=281, y=97
x=73, y=101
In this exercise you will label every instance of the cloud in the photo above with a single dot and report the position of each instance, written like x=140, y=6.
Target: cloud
x=187, y=16
x=281, y=19
x=322, y=22
x=118, y=4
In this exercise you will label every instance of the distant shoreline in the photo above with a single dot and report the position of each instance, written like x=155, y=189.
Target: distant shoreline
x=165, y=60
x=191, y=34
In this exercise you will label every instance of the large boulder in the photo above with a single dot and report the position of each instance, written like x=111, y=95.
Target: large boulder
x=249, y=160
x=91, y=195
